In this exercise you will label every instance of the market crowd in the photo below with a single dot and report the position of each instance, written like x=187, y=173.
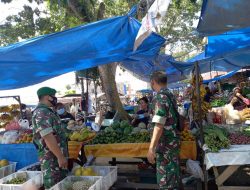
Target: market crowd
x=51, y=141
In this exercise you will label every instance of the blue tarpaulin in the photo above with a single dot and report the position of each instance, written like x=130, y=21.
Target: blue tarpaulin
x=143, y=69
x=228, y=42
x=23, y=154
x=38, y=59
x=219, y=16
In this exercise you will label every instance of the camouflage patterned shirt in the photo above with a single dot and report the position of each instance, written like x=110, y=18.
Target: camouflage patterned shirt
x=164, y=113
x=46, y=121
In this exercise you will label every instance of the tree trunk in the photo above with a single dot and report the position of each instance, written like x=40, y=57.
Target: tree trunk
x=109, y=86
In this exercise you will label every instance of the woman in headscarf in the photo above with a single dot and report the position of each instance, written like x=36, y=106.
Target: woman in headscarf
x=238, y=101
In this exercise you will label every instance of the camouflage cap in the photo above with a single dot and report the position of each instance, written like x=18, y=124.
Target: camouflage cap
x=46, y=91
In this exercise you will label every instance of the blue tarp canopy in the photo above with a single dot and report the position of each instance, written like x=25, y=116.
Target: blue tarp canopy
x=143, y=69
x=228, y=42
x=38, y=59
x=219, y=16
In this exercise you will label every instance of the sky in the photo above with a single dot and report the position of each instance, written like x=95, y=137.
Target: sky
x=28, y=94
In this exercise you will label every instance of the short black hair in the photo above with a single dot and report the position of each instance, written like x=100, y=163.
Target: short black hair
x=59, y=104
x=159, y=76
x=145, y=99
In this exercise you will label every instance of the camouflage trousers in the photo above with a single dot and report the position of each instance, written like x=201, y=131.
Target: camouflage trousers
x=168, y=170
x=52, y=174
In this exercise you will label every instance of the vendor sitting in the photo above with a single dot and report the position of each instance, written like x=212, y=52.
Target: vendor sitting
x=208, y=95
x=61, y=111
x=142, y=116
x=238, y=101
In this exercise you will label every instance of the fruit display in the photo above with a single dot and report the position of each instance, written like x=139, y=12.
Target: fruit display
x=4, y=163
x=186, y=135
x=24, y=138
x=16, y=181
x=81, y=185
x=205, y=106
x=82, y=135
x=34, y=168
x=245, y=114
x=218, y=102
x=238, y=138
x=82, y=171
x=246, y=131
x=216, y=138
x=122, y=133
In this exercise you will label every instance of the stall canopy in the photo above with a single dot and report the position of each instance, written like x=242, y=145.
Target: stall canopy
x=228, y=42
x=219, y=16
x=143, y=69
x=111, y=40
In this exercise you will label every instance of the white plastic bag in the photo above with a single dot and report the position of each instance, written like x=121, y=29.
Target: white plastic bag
x=24, y=123
x=10, y=137
x=193, y=167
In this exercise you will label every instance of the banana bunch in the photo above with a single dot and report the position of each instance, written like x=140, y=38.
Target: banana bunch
x=205, y=106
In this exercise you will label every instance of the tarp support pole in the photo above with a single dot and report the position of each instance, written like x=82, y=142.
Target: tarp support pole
x=197, y=76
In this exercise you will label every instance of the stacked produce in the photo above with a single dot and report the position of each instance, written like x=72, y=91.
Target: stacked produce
x=8, y=113
x=122, y=133
x=25, y=136
x=186, y=135
x=81, y=185
x=216, y=138
x=245, y=114
x=16, y=181
x=218, y=102
x=82, y=171
x=82, y=135
x=4, y=163
x=205, y=106
x=238, y=138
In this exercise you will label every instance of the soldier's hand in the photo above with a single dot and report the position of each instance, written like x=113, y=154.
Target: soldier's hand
x=63, y=163
x=151, y=156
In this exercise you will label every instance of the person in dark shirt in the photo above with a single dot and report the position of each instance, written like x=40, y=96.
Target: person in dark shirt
x=142, y=116
x=208, y=95
x=61, y=111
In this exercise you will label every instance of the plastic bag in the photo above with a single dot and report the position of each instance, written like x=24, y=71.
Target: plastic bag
x=24, y=123
x=10, y=137
x=193, y=167
x=232, y=116
x=12, y=126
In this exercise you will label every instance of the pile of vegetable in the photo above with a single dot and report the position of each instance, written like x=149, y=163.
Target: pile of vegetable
x=218, y=103
x=122, y=133
x=238, y=138
x=16, y=180
x=186, y=135
x=216, y=138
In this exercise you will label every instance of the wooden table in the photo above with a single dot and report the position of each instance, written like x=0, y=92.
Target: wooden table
x=233, y=158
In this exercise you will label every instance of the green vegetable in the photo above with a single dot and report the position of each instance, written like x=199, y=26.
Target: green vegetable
x=115, y=125
x=124, y=124
x=216, y=138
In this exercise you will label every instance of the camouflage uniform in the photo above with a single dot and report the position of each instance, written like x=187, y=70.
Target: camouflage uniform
x=45, y=121
x=167, y=151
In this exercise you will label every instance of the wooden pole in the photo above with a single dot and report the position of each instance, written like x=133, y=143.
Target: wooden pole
x=197, y=76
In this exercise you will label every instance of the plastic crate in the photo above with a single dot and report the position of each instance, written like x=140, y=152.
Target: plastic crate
x=7, y=170
x=33, y=178
x=67, y=182
x=30, y=166
x=109, y=174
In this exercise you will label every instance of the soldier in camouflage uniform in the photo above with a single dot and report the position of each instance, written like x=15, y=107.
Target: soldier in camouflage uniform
x=165, y=142
x=49, y=138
